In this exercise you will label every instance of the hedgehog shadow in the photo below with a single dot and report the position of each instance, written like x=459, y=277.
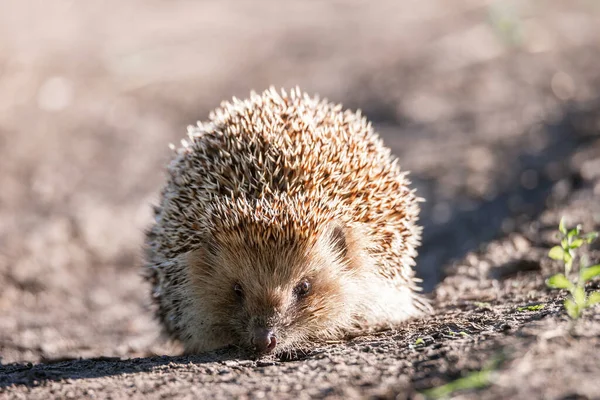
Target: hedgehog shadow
x=33, y=375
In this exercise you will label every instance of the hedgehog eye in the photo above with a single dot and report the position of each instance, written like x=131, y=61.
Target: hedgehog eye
x=237, y=289
x=303, y=289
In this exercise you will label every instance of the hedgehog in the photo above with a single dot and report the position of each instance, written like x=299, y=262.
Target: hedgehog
x=285, y=222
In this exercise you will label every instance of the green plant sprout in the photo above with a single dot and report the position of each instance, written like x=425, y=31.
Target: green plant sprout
x=534, y=307
x=567, y=252
x=474, y=380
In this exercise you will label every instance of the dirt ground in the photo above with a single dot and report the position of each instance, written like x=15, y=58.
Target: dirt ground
x=493, y=106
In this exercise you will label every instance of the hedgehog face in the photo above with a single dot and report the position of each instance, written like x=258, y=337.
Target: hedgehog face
x=270, y=297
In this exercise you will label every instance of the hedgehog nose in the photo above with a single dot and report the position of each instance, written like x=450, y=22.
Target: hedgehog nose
x=264, y=340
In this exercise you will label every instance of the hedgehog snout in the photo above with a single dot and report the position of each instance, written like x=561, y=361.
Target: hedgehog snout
x=264, y=340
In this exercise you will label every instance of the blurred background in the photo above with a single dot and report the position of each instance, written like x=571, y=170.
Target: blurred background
x=482, y=100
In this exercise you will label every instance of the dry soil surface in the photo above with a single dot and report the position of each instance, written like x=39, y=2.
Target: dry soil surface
x=493, y=106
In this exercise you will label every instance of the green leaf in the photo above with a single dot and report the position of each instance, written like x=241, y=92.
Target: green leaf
x=534, y=307
x=561, y=226
x=588, y=273
x=474, y=380
x=575, y=244
x=572, y=308
x=593, y=298
x=559, y=281
x=574, y=232
x=564, y=244
x=590, y=237
x=556, y=253
x=419, y=341
x=579, y=296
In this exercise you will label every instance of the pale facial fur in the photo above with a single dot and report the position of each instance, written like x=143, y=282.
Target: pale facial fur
x=242, y=288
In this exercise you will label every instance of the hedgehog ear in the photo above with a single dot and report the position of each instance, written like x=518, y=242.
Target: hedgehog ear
x=196, y=259
x=350, y=242
x=199, y=259
x=338, y=238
